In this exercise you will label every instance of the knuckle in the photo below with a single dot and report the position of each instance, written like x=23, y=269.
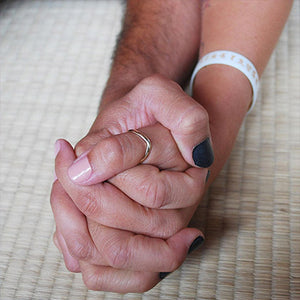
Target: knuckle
x=193, y=118
x=159, y=81
x=155, y=194
x=158, y=226
x=91, y=280
x=112, y=151
x=89, y=205
x=79, y=247
x=88, y=142
x=117, y=254
x=154, y=79
x=168, y=226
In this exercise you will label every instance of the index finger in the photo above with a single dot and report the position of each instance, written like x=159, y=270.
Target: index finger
x=117, y=153
x=160, y=100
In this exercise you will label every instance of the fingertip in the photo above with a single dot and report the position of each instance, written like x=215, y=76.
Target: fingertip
x=190, y=238
x=56, y=147
x=56, y=242
x=198, y=241
x=203, y=155
x=163, y=275
x=64, y=156
x=60, y=144
x=71, y=263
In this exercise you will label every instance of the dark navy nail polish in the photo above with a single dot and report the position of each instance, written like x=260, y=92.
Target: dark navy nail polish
x=207, y=176
x=163, y=275
x=196, y=243
x=203, y=154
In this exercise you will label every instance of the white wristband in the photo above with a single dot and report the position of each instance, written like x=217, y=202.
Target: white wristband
x=234, y=60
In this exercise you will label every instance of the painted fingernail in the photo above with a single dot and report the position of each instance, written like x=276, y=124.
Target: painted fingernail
x=163, y=275
x=203, y=154
x=207, y=176
x=196, y=243
x=81, y=170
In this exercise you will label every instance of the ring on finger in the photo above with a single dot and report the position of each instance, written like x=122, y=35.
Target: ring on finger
x=146, y=140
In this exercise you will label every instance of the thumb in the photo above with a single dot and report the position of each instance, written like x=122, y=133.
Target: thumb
x=190, y=237
x=187, y=120
x=89, y=141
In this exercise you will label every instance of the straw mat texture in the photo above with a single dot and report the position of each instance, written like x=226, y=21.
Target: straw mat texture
x=55, y=57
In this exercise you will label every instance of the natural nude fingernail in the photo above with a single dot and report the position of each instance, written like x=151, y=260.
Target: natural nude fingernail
x=203, y=155
x=81, y=170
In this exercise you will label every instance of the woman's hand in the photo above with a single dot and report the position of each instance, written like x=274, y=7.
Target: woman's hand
x=165, y=181
x=110, y=258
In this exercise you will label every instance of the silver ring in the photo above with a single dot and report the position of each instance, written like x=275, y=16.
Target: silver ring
x=146, y=140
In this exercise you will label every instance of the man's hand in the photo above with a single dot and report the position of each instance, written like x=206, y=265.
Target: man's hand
x=165, y=180
x=107, y=256
x=154, y=100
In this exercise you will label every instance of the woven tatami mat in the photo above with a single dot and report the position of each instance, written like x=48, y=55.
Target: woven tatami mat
x=54, y=58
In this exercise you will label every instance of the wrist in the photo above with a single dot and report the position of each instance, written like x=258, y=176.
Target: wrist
x=226, y=94
x=223, y=91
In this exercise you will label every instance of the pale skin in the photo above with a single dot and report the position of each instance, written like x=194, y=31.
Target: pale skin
x=111, y=226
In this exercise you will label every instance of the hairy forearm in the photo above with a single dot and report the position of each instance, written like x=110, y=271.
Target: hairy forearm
x=157, y=37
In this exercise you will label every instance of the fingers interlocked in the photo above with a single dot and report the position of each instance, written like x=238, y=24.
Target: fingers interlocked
x=121, y=208
x=107, y=204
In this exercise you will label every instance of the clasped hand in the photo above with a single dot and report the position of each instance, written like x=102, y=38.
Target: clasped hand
x=121, y=223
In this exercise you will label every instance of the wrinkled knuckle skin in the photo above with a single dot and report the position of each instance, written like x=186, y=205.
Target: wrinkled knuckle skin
x=169, y=226
x=89, y=205
x=158, y=226
x=195, y=117
x=201, y=115
x=159, y=81
x=154, y=79
x=79, y=247
x=112, y=152
x=117, y=255
x=155, y=195
x=92, y=280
